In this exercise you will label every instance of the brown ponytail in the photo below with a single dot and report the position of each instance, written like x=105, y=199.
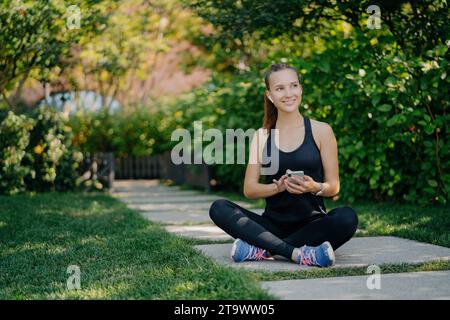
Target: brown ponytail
x=270, y=111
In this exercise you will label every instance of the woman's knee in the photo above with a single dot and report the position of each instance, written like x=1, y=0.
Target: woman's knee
x=347, y=219
x=218, y=208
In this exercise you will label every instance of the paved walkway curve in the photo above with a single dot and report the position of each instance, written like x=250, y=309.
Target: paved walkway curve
x=186, y=213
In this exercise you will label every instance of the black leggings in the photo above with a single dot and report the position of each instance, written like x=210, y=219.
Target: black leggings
x=337, y=226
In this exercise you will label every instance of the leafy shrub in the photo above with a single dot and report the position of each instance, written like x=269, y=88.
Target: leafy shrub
x=50, y=155
x=36, y=152
x=14, y=138
x=135, y=133
x=387, y=113
x=386, y=107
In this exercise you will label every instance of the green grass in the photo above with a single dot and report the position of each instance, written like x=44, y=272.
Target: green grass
x=429, y=224
x=124, y=256
x=120, y=254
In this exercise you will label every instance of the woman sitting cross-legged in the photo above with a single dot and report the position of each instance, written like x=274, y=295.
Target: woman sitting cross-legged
x=295, y=223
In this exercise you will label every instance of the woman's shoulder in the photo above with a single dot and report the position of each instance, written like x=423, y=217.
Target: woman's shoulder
x=262, y=135
x=319, y=126
x=263, y=131
x=320, y=131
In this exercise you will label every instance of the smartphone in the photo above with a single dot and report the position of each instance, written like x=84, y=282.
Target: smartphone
x=291, y=173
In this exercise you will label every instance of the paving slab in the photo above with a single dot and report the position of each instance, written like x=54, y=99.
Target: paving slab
x=179, y=217
x=127, y=183
x=138, y=188
x=179, y=206
x=142, y=186
x=155, y=194
x=165, y=199
x=202, y=232
x=183, y=217
x=358, y=252
x=428, y=285
x=143, y=190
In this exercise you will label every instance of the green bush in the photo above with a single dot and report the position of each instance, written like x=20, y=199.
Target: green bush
x=387, y=111
x=226, y=102
x=136, y=133
x=388, y=115
x=37, y=152
x=14, y=138
x=50, y=155
x=386, y=107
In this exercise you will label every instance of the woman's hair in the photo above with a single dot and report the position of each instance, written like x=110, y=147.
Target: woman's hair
x=270, y=111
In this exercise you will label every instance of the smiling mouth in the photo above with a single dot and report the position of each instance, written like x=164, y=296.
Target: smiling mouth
x=290, y=101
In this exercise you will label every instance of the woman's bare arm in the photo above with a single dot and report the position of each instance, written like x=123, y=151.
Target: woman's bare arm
x=252, y=188
x=329, y=155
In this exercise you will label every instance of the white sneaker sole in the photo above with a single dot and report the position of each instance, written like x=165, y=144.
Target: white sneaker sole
x=330, y=253
x=233, y=249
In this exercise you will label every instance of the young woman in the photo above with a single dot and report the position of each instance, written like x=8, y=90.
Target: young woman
x=295, y=223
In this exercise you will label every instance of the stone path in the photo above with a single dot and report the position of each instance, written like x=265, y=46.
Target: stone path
x=186, y=213
x=358, y=252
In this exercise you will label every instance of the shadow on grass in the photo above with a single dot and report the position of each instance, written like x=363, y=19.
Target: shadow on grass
x=430, y=224
x=120, y=254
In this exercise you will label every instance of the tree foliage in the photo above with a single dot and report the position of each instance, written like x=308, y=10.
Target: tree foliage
x=36, y=39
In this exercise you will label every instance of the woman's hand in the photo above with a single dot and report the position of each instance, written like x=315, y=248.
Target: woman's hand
x=281, y=183
x=300, y=186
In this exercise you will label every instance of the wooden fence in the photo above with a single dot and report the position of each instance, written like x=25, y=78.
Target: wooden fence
x=98, y=167
x=146, y=167
x=161, y=167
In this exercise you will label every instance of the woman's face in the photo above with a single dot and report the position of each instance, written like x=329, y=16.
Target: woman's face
x=285, y=90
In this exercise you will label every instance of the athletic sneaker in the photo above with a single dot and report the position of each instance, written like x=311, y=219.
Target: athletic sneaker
x=321, y=256
x=242, y=251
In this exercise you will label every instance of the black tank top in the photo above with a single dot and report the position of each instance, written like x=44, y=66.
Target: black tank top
x=285, y=207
